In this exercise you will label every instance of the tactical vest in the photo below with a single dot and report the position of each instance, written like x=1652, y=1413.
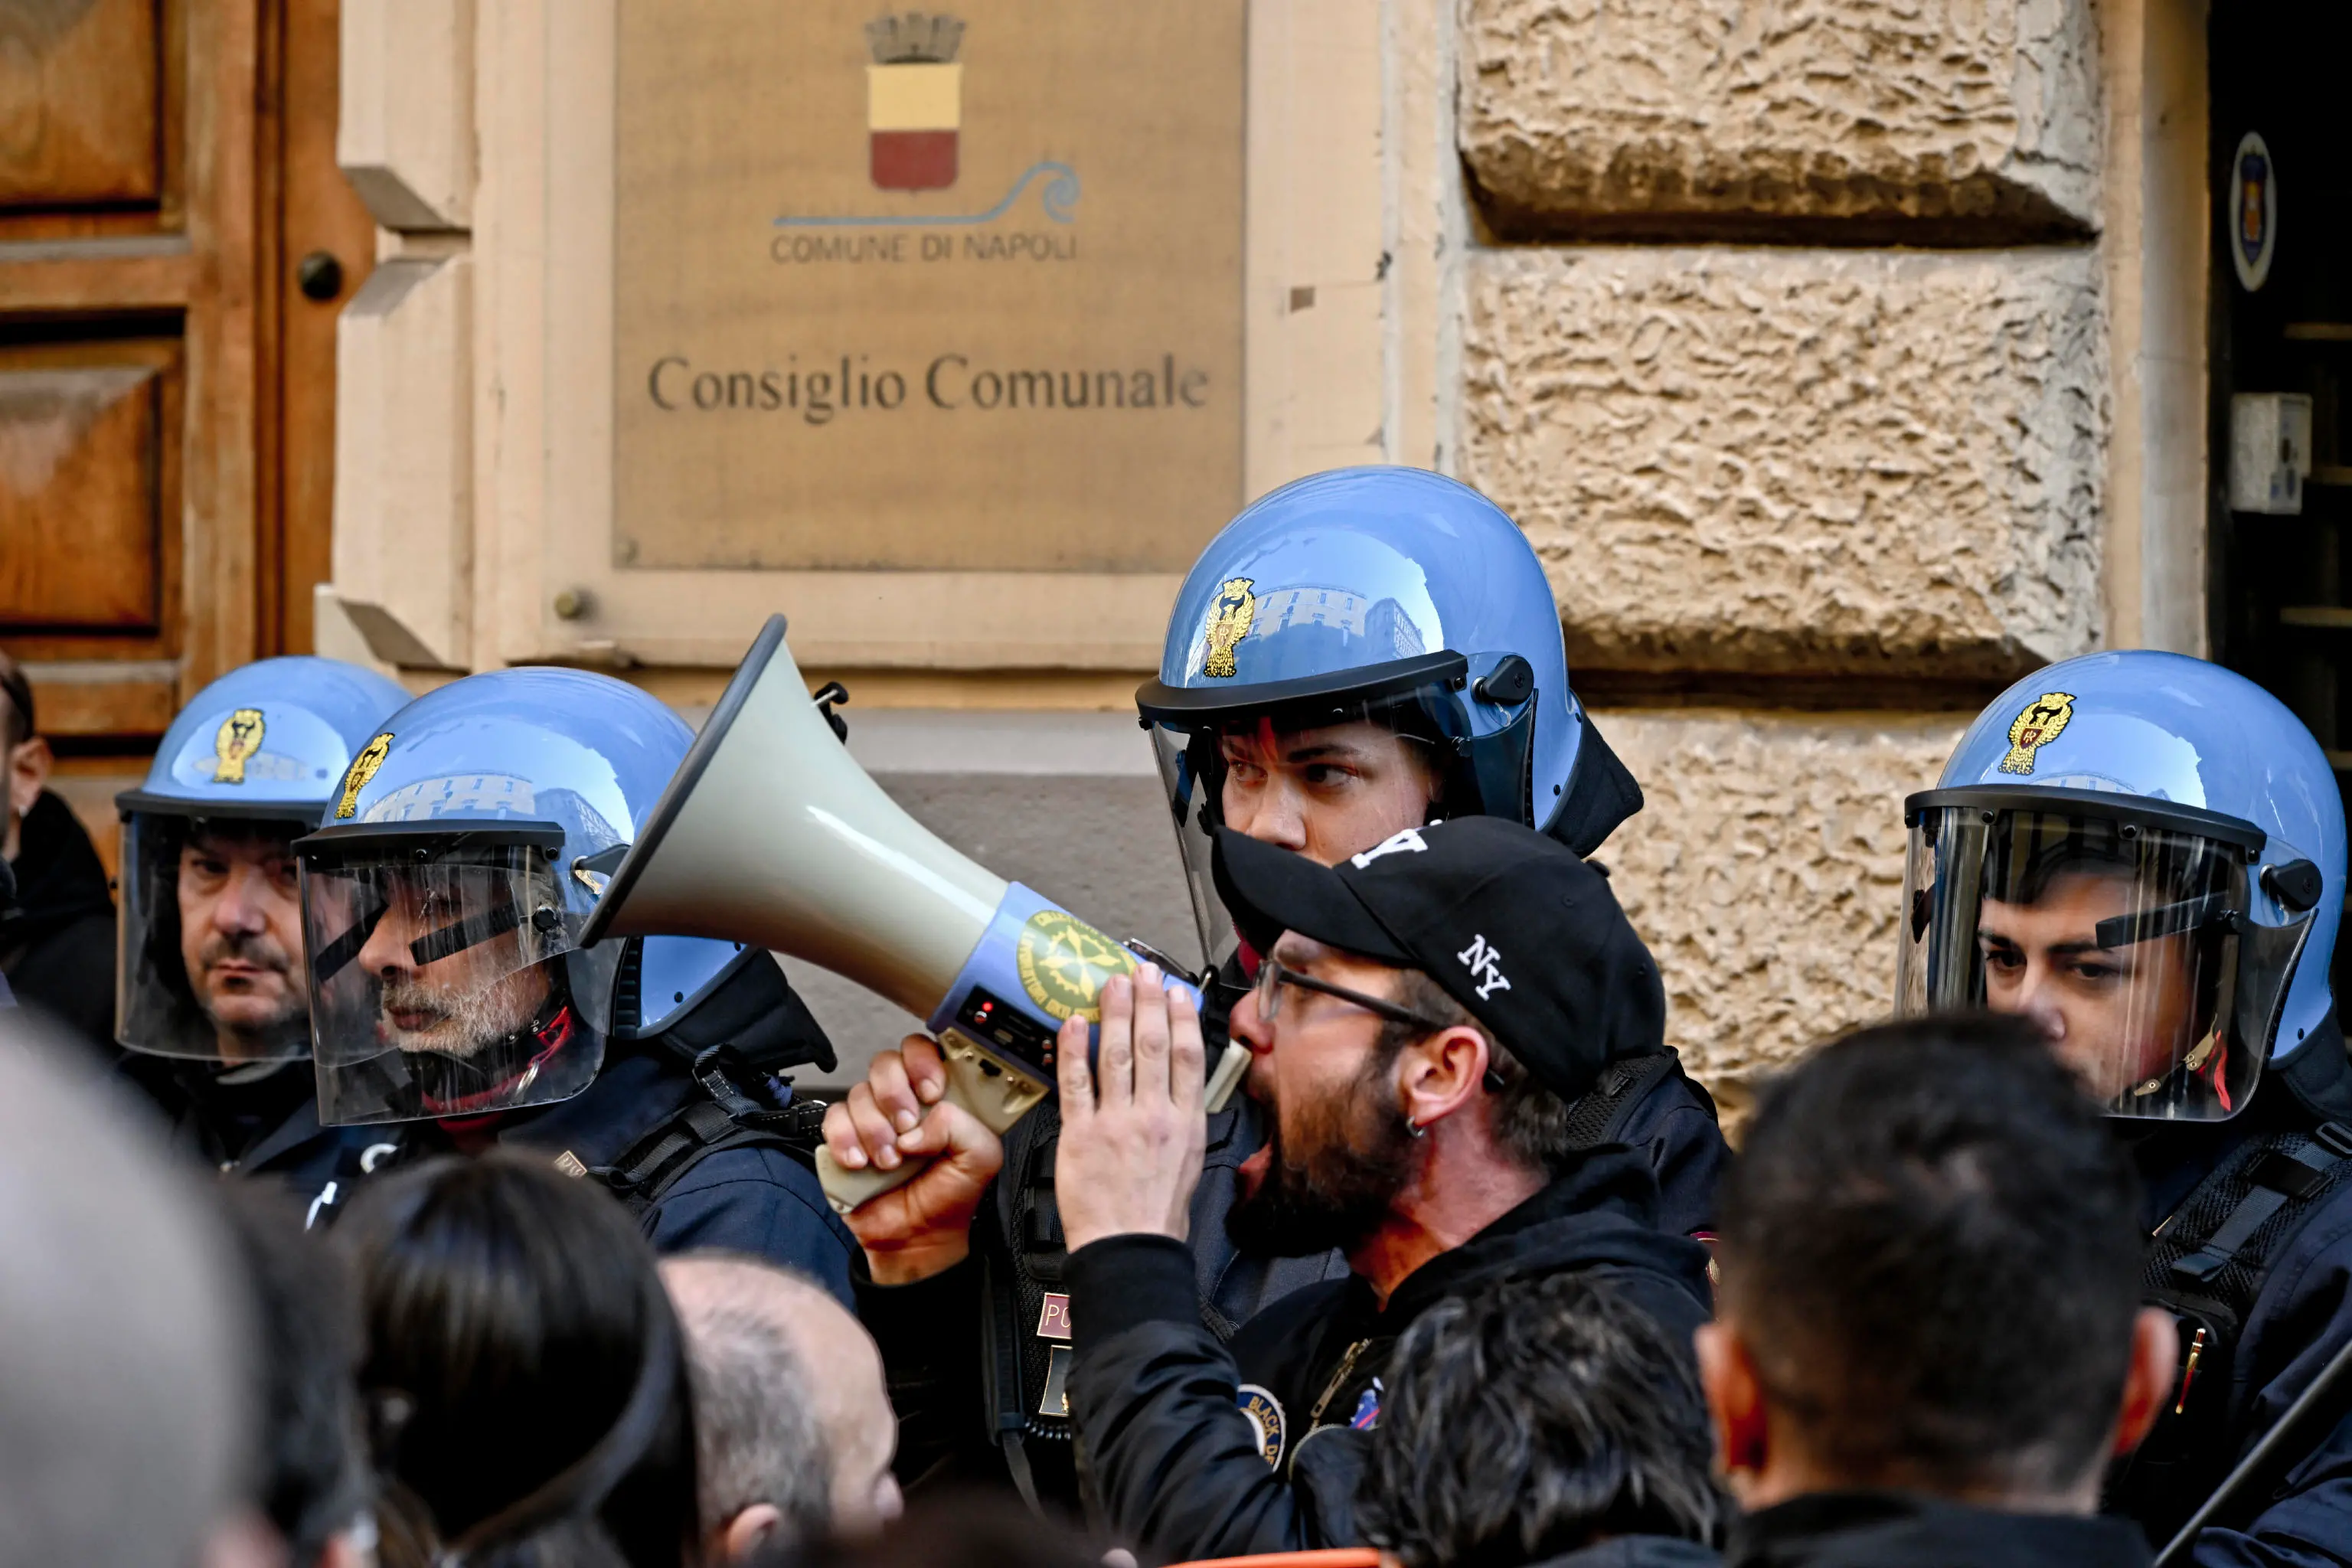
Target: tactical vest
x=729, y=1118
x=2207, y=1265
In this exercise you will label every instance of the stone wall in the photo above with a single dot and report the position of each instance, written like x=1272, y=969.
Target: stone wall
x=1766, y=872
x=1959, y=116
x=1773, y=464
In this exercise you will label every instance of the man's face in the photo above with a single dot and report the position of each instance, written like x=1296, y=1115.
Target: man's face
x=2119, y=1016
x=1324, y=793
x=1338, y=1153
x=241, y=935
x=458, y=1005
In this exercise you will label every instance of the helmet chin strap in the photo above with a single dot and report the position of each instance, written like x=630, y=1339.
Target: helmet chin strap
x=465, y=1089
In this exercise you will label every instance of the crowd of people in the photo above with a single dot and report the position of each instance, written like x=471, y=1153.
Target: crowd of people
x=376, y=1215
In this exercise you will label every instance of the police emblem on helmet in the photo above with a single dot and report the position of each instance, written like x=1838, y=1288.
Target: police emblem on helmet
x=2042, y=722
x=1230, y=615
x=239, y=738
x=363, y=767
x=1265, y=1412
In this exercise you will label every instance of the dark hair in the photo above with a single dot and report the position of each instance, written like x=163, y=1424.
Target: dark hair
x=1530, y=1120
x=951, y=1530
x=18, y=727
x=1931, y=1244
x=1525, y=1421
x=311, y=1469
x=527, y=1379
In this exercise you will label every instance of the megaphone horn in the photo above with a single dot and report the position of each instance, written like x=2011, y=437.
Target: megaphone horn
x=771, y=834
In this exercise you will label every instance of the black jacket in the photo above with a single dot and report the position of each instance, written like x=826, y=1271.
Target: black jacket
x=1638, y=1551
x=1893, y=1529
x=57, y=942
x=970, y=1374
x=1199, y=1450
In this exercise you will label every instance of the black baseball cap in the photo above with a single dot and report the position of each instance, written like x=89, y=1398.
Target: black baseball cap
x=1526, y=936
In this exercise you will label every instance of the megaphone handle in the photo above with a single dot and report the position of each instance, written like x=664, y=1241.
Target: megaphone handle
x=989, y=1090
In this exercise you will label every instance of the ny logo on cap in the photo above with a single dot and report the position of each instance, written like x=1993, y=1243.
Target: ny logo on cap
x=1394, y=844
x=1485, y=964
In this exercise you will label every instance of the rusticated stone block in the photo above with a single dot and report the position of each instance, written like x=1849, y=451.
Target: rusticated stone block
x=1817, y=462
x=1766, y=873
x=1717, y=115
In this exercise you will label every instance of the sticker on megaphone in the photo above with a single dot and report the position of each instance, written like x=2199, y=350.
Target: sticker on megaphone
x=999, y=1027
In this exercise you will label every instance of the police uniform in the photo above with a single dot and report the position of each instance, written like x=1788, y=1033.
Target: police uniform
x=2195, y=826
x=258, y=752
x=1389, y=595
x=455, y=1008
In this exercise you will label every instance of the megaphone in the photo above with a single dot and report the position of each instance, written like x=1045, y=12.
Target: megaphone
x=771, y=834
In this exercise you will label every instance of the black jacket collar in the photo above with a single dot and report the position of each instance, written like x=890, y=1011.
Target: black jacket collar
x=632, y=1095
x=1894, y=1529
x=1601, y=1210
x=59, y=877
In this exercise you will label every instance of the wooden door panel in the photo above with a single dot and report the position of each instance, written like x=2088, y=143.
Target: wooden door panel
x=82, y=484
x=80, y=102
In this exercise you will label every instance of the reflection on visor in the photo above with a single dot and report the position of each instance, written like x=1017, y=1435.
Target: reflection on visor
x=2126, y=935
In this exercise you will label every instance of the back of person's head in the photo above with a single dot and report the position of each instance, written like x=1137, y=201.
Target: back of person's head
x=793, y=1427
x=310, y=1475
x=1530, y=1419
x=969, y=1530
x=527, y=1387
x=1930, y=1256
x=124, y=1409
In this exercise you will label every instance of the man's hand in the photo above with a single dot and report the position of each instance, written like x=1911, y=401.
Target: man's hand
x=923, y=1226
x=1132, y=1129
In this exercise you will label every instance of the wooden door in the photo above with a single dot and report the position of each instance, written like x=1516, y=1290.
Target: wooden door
x=166, y=379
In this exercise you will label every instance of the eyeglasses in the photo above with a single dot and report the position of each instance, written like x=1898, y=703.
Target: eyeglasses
x=1273, y=975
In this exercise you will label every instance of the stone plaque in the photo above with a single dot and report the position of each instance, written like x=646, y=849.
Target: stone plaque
x=952, y=291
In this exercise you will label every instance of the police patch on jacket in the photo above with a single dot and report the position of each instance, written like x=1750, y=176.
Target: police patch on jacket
x=1265, y=1412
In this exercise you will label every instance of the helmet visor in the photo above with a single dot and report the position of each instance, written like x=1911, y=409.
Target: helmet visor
x=447, y=979
x=1329, y=780
x=2130, y=942
x=209, y=958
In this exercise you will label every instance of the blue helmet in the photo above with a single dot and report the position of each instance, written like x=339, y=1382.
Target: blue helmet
x=208, y=963
x=1391, y=594
x=443, y=895
x=2146, y=853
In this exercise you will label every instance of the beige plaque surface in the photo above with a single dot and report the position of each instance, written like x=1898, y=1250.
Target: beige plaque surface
x=961, y=293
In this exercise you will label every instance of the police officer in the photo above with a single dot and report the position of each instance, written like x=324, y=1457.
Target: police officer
x=209, y=994
x=2145, y=854
x=1362, y=652
x=455, y=1009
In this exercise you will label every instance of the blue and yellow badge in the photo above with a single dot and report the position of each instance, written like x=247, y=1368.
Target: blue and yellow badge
x=2043, y=722
x=363, y=769
x=1064, y=962
x=1265, y=1412
x=239, y=738
x=1230, y=615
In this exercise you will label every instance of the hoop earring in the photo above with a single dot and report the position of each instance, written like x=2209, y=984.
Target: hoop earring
x=1414, y=1129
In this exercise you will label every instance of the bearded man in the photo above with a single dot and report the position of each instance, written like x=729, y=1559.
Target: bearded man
x=1426, y=1013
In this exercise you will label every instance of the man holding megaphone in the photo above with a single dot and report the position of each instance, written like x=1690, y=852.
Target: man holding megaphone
x=1359, y=653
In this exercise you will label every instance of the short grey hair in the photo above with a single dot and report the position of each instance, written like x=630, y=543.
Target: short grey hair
x=759, y=1436
x=125, y=1415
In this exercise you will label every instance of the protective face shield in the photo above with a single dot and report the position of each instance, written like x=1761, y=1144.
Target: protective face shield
x=2124, y=930
x=209, y=952
x=444, y=896
x=210, y=957
x=1362, y=651
x=447, y=978
x=2145, y=854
